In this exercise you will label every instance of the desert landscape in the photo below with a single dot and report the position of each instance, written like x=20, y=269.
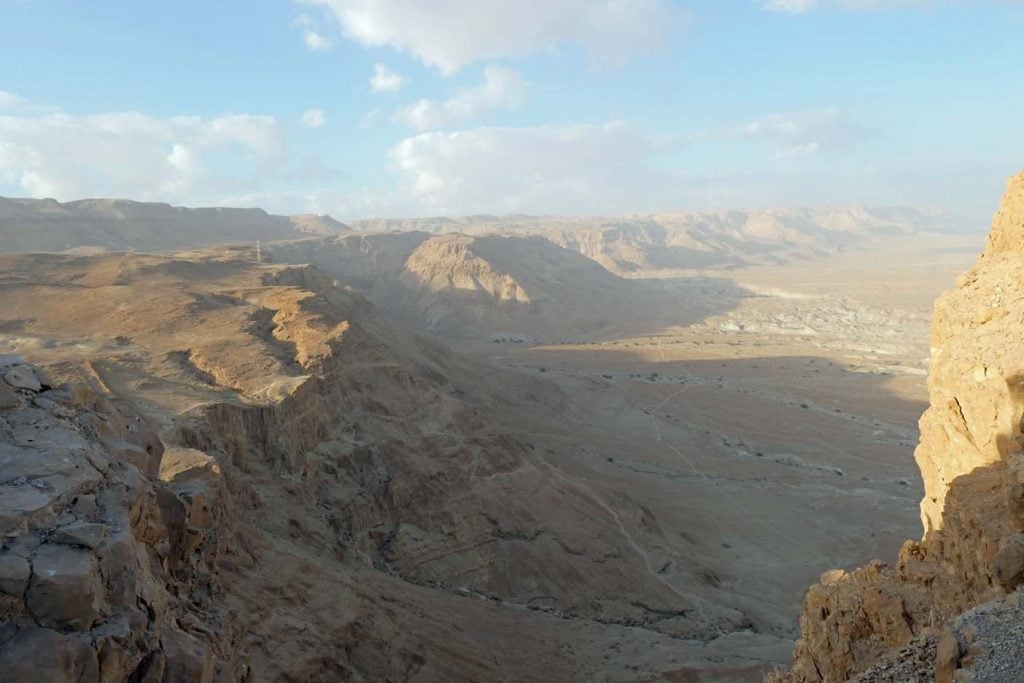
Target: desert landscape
x=486, y=435
x=487, y=341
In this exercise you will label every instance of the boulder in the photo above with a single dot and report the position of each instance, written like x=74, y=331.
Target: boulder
x=66, y=590
x=1008, y=564
x=37, y=654
x=22, y=377
x=85, y=534
x=186, y=659
x=14, y=574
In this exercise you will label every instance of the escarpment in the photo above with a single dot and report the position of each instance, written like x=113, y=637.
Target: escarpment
x=340, y=499
x=937, y=604
x=107, y=571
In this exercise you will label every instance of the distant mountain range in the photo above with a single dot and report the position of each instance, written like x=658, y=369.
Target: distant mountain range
x=624, y=245
x=28, y=225
x=671, y=241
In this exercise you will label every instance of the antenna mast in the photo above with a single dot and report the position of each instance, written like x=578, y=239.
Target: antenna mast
x=259, y=252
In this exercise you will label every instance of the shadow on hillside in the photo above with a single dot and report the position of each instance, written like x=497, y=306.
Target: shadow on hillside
x=510, y=288
x=795, y=463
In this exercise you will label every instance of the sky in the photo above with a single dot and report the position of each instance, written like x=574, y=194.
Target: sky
x=399, y=108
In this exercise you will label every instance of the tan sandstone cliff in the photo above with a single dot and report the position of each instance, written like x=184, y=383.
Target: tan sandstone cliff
x=932, y=614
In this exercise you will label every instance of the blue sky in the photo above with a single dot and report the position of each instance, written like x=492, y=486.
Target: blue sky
x=408, y=107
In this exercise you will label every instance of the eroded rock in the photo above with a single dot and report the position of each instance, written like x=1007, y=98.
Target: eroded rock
x=971, y=456
x=22, y=377
x=37, y=654
x=85, y=534
x=66, y=589
x=14, y=574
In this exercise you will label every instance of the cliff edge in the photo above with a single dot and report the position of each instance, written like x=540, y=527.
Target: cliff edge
x=945, y=610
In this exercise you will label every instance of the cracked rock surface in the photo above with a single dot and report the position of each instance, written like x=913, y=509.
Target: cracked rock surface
x=82, y=598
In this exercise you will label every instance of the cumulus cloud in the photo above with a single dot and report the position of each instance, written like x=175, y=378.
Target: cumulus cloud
x=312, y=37
x=448, y=34
x=385, y=80
x=801, y=6
x=9, y=102
x=575, y=169
x=131, y=154
x=502, y=88
x=799, y=134
x=314, y=118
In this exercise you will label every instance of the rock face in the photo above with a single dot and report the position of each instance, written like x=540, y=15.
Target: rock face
x=339, y=499
x=971, y=457
x=95, y=583
x=487, y=287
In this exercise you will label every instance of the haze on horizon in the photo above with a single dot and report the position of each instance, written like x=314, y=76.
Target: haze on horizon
x=370, y=108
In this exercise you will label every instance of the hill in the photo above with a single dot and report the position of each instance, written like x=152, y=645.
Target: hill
x=642, y=244
x=38, y=225
x=497, y=287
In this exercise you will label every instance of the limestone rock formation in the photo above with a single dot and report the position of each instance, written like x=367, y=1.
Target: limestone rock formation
x=485, y=287
x=99, y=572
x=322, y=495
x=971, y=457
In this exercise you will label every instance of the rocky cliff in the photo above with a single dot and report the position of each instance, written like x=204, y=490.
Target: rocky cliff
x=933, y=614
x=491, y=287
x=107, y=571
x=338, y=498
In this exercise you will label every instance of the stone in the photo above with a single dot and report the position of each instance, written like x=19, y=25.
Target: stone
x=85, y=534
x=1008, y=564
x=187, y=659
x=948, y=654
x=37, y=654
x=22, y=377
x=831, y=576
x=14, y=574
x=66, y=590
x=9, y=398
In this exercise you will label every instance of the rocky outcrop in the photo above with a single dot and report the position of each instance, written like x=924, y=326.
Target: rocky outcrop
x=106, y=572
x=971, y=457
x=339, y=499
x=478, y=287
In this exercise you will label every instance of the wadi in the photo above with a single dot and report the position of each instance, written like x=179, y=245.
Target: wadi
x=489, y=341
x=401, y=455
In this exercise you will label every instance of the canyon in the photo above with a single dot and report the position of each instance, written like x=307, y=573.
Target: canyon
x=472, y=454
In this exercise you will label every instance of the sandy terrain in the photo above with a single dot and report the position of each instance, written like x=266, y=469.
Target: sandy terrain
x=638, y=499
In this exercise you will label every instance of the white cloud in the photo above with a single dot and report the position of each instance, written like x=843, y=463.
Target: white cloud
x=312, y=37
x=385, y=80
x=369, y=119
x=9, y=102
x=315, y=41
x=802, y=6
x=130, y=154
x=314, y=118
x=574, y=169
x=799, y=134
x=449, y=34
x=502, y=88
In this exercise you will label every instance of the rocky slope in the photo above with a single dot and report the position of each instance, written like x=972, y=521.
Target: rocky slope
x=106, y=572
x=633, y=244
x=338, y=498
x=480, y=287
x=32, y=225
x=943, y=601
